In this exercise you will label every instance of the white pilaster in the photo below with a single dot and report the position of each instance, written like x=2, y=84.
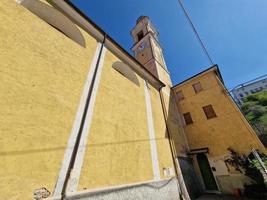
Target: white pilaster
x=76, y=125
x=152, y=138
x=76, y=172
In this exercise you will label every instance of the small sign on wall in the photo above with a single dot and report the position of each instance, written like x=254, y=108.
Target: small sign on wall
x=169, y=171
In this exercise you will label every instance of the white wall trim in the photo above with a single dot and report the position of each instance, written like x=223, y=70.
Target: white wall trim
x=166, y=91
x=109, y=43
x=152, y=139
x=76, y=172
x=76, y=125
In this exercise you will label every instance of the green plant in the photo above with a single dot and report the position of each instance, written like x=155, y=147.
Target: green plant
x=247, y=165
x=255, y=110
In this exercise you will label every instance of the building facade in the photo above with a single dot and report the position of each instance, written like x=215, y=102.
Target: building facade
x=251, y=87
x=82, y=116
x=83, y=119
x=214, y=125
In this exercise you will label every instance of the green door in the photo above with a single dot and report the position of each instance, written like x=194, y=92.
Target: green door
x=206, y=172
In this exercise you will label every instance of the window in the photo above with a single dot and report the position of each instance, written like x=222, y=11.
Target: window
x=187, y=118
x=140, y=35
x=197, y=87
x=179, y=95
x=241, y=95
x=209, y=112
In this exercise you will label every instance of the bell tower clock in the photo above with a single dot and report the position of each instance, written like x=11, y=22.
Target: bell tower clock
x=147, y=49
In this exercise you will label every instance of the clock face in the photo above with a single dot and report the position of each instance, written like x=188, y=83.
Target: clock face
x=141, y=46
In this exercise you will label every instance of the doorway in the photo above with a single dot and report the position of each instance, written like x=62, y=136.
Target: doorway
x=190, y=178
x=206, y=172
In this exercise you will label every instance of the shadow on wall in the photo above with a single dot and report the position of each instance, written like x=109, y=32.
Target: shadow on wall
x=55, y=19
x=60, y=148
x=175, y=126
x=178, y=140
x=126, y=71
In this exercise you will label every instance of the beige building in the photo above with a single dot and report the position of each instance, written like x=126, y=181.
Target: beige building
x=83, y=119
x=214, y=123
x=250, y=87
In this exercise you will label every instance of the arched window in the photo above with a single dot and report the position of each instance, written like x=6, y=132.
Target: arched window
x=54, y=18
x=126, y=71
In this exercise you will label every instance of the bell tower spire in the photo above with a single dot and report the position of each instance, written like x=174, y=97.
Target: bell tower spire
x=147, y=49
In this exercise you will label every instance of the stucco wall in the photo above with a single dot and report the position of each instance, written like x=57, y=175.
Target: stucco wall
x=163, y=75
x=42, y=74
x=164, y=152
x=228, y=129
x=118, y=149
x=174, y=122
x=227, y=183
x=165, y=189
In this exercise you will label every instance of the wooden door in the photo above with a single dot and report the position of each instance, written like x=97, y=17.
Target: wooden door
x=206, y=172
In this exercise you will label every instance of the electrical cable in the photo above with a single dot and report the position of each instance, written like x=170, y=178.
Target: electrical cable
x=195, y=32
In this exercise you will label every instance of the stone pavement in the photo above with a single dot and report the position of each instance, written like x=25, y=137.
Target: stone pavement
x=221, y=197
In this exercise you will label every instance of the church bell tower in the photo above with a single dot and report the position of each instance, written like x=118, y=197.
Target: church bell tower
x=147, y=49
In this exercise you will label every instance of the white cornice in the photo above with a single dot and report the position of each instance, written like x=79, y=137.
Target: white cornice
x=99, y=35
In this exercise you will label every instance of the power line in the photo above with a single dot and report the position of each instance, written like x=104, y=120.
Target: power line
x=195, y=31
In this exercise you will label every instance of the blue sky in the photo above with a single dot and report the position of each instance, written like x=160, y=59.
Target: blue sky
x=234, y=32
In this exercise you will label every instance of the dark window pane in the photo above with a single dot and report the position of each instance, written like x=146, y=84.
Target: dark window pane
x=209, y=112
x=197, y=87
x=188, y=118
x=140, y=35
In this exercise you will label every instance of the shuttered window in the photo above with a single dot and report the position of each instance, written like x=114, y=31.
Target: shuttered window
x=197, y=87
x=187, y=118
x=209, y=111
x=179, y=95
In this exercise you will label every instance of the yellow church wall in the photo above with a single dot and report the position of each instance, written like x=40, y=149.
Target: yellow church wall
x=163, y=146
x=228, y=129
x=118, y=150
x=42, y=75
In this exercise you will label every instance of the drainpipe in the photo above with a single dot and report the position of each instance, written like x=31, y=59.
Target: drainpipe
x=78, y=140
x=174, y=156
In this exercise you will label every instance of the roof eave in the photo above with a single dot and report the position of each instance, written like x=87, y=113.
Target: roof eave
x=99, y=34
x=212, y=68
